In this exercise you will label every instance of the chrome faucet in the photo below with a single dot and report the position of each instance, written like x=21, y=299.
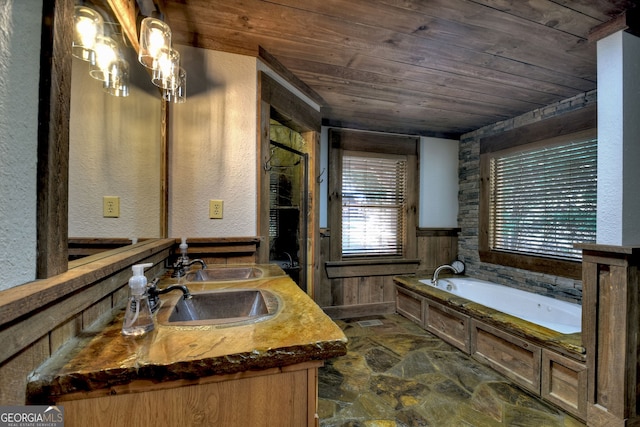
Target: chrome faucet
x=290, y=260
x=154, y=293
x=434, y=280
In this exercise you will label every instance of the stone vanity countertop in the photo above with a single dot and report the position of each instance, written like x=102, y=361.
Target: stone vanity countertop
x=102, y=358
x=567, y=344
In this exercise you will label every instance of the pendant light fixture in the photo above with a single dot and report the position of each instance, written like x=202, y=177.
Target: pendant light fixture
x=165, y=68
x=117, y=83
x=179, y=94
x=93, y=43
x=155, y=36
x=106, y=53
x=88, y=26
x=157, y=54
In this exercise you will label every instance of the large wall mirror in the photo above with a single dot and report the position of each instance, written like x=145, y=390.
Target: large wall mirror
x=115, y=148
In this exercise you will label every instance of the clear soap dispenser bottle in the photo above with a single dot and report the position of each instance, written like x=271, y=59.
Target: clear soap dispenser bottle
x=138, y=319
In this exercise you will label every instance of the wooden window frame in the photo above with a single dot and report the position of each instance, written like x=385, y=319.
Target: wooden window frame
x=562, y=125
x=341, y=140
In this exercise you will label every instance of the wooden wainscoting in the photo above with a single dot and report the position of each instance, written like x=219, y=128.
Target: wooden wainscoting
x=436, y=246
x=39, y=317
x=221, y=250
x=365, y=287
x=80, y=247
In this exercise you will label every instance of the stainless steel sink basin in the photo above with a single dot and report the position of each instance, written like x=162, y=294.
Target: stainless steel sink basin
x=222, y=274
x=221, y=307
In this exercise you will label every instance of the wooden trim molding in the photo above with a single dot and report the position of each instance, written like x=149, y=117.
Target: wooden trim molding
x=360, y=310
x=629, y=21
x=563, y=124
x=29, y=312
x=278, y=103
x=53, y=138
x=437, y=232
x=287, y=108
x=22, y=300
x=372, y=142
x=570, y=123
x=277, y=67
x=126, y=13
x=370, y=267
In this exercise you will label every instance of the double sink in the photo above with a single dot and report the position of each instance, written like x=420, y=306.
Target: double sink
x=225, y=307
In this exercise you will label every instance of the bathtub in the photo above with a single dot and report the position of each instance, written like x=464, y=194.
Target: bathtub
x=560, y=316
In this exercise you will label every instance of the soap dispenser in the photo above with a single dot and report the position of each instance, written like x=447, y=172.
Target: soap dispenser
x=138, y=319
x=183, y=251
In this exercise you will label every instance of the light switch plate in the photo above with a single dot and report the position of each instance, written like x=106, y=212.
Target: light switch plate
x=111, y=206
x=215, y=209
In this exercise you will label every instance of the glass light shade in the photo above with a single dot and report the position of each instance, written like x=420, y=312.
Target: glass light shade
x=166, y=68
x=88, y=26
x=179, y=94
x=117, y=83
x=106, y=53
x=154, y=36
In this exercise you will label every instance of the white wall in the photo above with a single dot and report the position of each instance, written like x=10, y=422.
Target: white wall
x=618, y=135
x=438, y=202
x=114, y=150
x=438, y=199
x=19, y=76
x=213, y=146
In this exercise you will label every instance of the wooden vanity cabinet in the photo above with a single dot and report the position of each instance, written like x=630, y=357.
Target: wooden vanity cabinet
x=284, y=397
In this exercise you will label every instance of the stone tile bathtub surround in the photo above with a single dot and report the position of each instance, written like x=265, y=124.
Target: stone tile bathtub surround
x=395, y=374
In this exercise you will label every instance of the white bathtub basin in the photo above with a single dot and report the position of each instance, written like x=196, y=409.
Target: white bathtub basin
x=554, y=314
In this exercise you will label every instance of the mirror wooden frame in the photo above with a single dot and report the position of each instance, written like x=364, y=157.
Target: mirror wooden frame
x=53, y=132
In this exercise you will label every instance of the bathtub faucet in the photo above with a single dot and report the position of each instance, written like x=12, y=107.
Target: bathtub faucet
x=434, y=280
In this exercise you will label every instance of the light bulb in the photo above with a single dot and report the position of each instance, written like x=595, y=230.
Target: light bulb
x=155, y=35
x=106, y=53
x=88, y=26
x=165, y=69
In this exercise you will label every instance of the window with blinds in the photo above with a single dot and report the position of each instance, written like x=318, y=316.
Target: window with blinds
x=373, y=204
x=542, y=201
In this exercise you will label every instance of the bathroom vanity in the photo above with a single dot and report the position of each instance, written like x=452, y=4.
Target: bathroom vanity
x=251, y=372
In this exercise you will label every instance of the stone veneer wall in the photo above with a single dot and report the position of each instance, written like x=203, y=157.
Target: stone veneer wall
x=469, y=197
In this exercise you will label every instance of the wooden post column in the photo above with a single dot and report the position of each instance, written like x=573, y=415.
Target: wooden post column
x=611, y=322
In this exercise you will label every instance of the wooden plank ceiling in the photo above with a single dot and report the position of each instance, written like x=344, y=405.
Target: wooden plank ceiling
x=427, y=67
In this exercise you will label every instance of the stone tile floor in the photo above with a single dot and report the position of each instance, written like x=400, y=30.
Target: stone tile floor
x=396, y=374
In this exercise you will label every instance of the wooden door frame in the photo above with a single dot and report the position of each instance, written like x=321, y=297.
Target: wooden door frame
x=277, y=102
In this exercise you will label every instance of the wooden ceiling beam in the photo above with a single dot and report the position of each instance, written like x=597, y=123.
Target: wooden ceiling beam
x=628, y=21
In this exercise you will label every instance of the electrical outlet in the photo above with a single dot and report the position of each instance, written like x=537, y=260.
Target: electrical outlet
x=215, y=209
x=111, y=206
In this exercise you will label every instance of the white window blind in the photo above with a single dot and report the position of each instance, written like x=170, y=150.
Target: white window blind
x=373, y=204
x=544, y=200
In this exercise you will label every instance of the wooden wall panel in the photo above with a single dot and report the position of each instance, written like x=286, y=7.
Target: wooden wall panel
x=366, y=287
x=14, y=371
x=53, y=138
x=436, y=250
x=221, y=250
x=611, y=322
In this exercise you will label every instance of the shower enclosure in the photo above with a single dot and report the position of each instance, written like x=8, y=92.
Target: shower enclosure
x=288, y=168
